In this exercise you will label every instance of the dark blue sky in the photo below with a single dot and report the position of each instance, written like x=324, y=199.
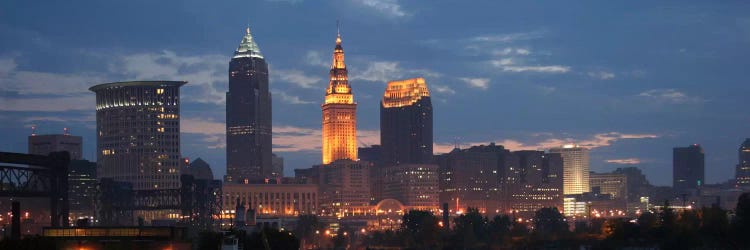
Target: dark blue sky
x=630, y=80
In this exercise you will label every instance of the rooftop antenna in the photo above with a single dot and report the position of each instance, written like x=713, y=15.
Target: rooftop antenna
x=456, y=143
x=338, y=29
x=33, y=130
x=66, y=131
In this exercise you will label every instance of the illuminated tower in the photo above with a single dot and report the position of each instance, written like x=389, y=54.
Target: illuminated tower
x=575, y=168
x=248, y=112
x=406, y=123
x=339, y=112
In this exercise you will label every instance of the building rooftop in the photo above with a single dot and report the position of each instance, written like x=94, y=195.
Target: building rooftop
x=404, y=92
x=98, y=87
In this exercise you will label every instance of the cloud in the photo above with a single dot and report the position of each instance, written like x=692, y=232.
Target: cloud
x=443, y=89
x=49, y=104
x=391, y=8
x=289, y=98
x=43, y=83
x=207, y=73
x=7, y=65
x=627, y=161
x=315, y=58
x=91, y=117
x=511, y=51
x=507, y=38
x=539, y=69
x=670, y=96
x=591, y=142
x=285, y=138
x=298, y=78
x=601, y=75
x=378, y=71
x=480, y=83
x=511, y=65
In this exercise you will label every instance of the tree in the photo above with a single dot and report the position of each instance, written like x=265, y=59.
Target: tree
x=714, y=227
x=471, y=228
x=306, y=226
x=271, y=239
x=741, y=222
x=421, y=228
x=548, y=222
x=499, y=230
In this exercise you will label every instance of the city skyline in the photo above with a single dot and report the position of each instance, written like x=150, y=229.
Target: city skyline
x=542, y=89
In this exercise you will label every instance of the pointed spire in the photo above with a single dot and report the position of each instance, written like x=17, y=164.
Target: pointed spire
x=248, y=47
x=338, y=33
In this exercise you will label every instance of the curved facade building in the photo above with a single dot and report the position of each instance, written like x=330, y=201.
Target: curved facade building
x=339, y=112
x=138, y=133
x=406, y=123
x=248, y=115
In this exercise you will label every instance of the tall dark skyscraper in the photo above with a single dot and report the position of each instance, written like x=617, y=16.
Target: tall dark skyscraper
x=248, y=115
x=406, y=123
x=688, y=169
x=742, y=175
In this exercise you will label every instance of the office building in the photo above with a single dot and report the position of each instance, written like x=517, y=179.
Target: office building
x=344, y=187
x=476, y=177
x=138, y=136
x=248, y=112
x=612, y=184
x=538, y=182
x=286, y=200
x=414, y=185
x=575, y=168
x=406, y=122
x=45, y=144
x=82, y=189
x=742, y=174
x=277, y=166
x=339, y=112
x=688, y=169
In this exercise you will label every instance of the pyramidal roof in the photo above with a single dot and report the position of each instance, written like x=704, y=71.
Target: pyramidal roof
x=248, y=47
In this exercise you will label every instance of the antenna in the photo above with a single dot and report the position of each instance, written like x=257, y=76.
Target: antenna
x=338, y=29
x=33, y=130
x=66, y=131
x=457, y=142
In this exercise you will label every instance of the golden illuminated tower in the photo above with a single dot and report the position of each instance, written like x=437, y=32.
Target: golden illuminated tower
x=339, y=113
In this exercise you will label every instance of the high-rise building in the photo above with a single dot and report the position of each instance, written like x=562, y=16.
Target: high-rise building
x=688, y=169
x=742, y=175
x=538, y=182
x=414, y=185
x=637, y=184
x=138, y=133
x=45, y=144
x=277, y=166
x=476, y=177
x=82, y=189
x=613, y=184
x=344, y=187
x=406, y=122
x=339, y=112
x=575, y=168
x=248, y=111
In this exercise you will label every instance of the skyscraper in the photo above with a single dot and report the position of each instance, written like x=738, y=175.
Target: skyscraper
x=138, y=133
x=688, y=169
x=538, y=182
x=575, y=168
x=406, y=122
x=339, y=112
x=45, y=144
x=742, y=175
x=248, y=115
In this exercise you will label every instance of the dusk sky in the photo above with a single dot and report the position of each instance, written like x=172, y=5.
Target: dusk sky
x=631, y=81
